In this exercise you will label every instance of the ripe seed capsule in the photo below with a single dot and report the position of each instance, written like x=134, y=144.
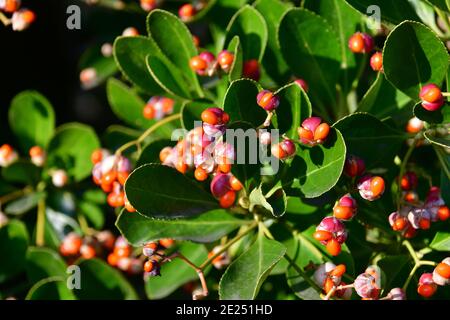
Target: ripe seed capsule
x=283, y=150
x=225, y=60
x=443, y=269
x=343, y=213
x=431, y=96
x=186, y=12
x=267, y=100
x=443, y=213
x=361, y=43
x=333, y=247
x=409, y=181
x=377, y=186
x=227, y=200
x=354, y=166
x=200, y=174
x=322, y=235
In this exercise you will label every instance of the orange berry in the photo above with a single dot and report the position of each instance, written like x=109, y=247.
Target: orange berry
x=112, y=199
x=122, y=177
x=235, y=184
x=338, y=271
x=322, y=132
x=112, y=259
x=106, y=187
x=11, y=6
x=109, y=177
x=166, y=243
x=148, y=112
x=149, y=266
x=36, y=151
x=343, y=213
x=224, y=167
x=129, y=207
x=377, y=186
x=433, y=94
x=181, y=166
x=200, y=174
x=186, y=11
x=122, y=252
x=443, y=213
x=376, y=61
x=399, y=224
x=424, y=224
x=356, y=43
x=227, y=200
x=328, y=285
x=333, y=247
x=120, y=199
x=210, y=117
x=198, y=64
x=322, y=235
x=87, y=251
x=305, y=134
x=278, y=152
x=443, y=270
x=164, y=153
x=96, y=156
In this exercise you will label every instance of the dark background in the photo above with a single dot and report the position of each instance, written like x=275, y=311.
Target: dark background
x=45, y=58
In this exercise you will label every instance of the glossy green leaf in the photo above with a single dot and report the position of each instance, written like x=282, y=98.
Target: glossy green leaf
x=51, y=288
x=244, y=277
x=101, y=282
x=24, y=204
x=13, y=246
x=393, y=268
x=43, y=263
x=293, y=109
x=168, y=76
x=93, y=212
x=383, y=99
x=31, y=119
x=191, y=112
x=251, y=28
x=391, y=11
x=345, y=20
x=441, y=241
x=240, y=102
x=274, y=64
x=126, y=104
x=205, y=228
x=316, y=170
x=162, y=192
x=369, y=138
x=175, y=41
x=70, y=149
x=176, y=272
x=236, y=68
x=22, y=172
x=441, y=4
x=115, y=136
x=130, y=54
x=414, y=56
x=312, y=51
x=436, y=137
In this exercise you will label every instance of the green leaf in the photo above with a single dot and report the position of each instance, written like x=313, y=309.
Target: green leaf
x=437, y=138
x=441, y=4
x=293, y=109
x=162, y=192
x=115, y=136
x=126, y=104
x=275, y=201
x=23, y=172
x=383, y=99
x=240, y=102
x=274, y=64
x=43, y=263
x=71, y=149
x=175, y=41
x=130, y=54
x=51, y=288
x=31, y=119
x=104, y=67
x=251, y=28
x=393, y=269
x=414, y=56
x=312, y=51
x=205, y=228
x=24, y=204
x=391, y=11
x=244, y=277
x=61, y=223
x=439, y=116
x=369, y=138
x=441, y=241
x=168, y=76
x=176, y=272
x=345, y=20
x=13, y=246
x=100, y=281
x=236, y=68
x=93, y=213
x=316, y=170
x=191, y=112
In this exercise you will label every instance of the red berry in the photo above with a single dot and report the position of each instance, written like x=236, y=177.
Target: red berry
x=431, y=96
x=227, y=200
x=409, y=181
x=267, y=100
x=200, y=174
x=356, y=43
x=186, y=12
x=149, y=111
x=399, y=224
x=427, y=290
x=87, y=251
x=443, y=213
x=220, y=185
x=376, y=61
x=251, y=69
x=112, y=259
x=354, y=166
x=303, y=84
x=11, y=6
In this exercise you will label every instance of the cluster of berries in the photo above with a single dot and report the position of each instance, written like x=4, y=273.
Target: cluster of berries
x=415, y=214
x=328, y=277
x=110, y=173
x=38, y=156
x=21, y=18
x=187, y=11
x=158, y=107
x=101, y=245
x=363, y=43
x=331, y=231
x=432, y=97
x=206, y=64
x=440, y=276
x=154, y=251
x=203, y=148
